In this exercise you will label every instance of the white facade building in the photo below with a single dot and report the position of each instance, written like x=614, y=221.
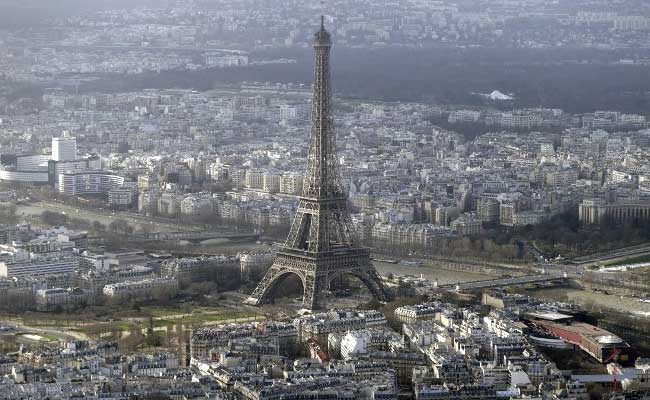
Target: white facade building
x=121, y=197
x=291, y=183
x=64, y=148
x=46, y=298
x=354, y=343
x=38, y=267
x=88, y=182
x=196, y=206
x=254, y=179
x=144, y=288
x=271, y=182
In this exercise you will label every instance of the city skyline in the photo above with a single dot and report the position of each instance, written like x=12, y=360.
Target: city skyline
x=203, y=199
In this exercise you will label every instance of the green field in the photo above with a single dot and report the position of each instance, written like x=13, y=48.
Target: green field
x=202, y=318
x=162, y=312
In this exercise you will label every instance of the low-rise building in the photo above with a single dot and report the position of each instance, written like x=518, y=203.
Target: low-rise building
x=148, y=288
x=49, y=299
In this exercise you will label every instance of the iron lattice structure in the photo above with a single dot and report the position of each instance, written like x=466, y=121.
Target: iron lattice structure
x=321, y=244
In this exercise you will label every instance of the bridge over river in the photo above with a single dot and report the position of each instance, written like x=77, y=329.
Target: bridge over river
x=193, y=236
x=502, y=282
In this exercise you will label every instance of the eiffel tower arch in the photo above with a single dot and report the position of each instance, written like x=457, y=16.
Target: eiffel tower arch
x=321, y=245
x=278, y=278
x=366, y=275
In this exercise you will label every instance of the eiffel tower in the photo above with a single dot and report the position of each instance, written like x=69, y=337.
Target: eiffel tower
x=321, y=244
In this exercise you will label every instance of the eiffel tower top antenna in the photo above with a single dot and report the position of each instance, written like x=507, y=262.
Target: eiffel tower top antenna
x=322, y=14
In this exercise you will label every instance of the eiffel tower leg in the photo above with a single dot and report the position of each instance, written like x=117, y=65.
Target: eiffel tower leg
x=262, y=288
x=273, y=277
x=373, y=282
x=315, y=284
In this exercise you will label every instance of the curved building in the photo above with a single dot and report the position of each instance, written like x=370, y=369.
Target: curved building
x=88, y=182
x=24, y=176
x=31, y=169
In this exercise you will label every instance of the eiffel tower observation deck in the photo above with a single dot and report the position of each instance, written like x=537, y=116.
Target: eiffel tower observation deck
x=321, y=244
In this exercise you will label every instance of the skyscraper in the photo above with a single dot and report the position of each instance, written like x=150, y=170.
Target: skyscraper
x=64, y=148
x=321, y=244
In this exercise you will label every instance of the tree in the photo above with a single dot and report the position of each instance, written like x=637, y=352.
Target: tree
x=98, y=227
x=198, y=290
x=162, y=295
x=53, y=218
x=8, y=215
x=131, y=342
x=144, y=229
x=120, y=227
x=80, y=223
